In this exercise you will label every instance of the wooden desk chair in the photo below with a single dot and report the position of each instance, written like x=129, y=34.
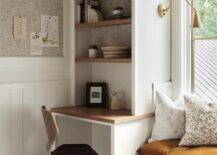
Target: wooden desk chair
x=53, y=132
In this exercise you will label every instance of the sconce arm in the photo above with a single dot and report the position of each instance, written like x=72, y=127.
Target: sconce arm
x=191, y=5
x=163, y=9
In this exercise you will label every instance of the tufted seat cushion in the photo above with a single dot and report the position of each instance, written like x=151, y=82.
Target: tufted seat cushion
x=170, y=147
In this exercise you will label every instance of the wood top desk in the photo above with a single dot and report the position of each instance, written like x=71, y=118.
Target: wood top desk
x=103, y=115
x=109, y=128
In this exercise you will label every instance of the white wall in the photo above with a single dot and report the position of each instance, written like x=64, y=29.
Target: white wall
x=151, y=52
x=129, y=137
x=118, y=78
x=21, y=125
x=26, y=83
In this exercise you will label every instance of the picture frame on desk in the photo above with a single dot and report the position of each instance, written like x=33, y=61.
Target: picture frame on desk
x=96, y=94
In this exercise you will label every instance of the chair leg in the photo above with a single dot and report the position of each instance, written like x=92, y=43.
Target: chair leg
x=50, y=149
x=48, y=152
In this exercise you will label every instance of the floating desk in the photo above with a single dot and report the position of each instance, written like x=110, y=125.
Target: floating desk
x=100, y=115
x=121, y=129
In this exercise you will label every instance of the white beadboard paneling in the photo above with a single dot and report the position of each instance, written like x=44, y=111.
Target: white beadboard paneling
x=32, y=121
x=5, y=121
x=21, y=123
x=16, y=121
x=101, y=139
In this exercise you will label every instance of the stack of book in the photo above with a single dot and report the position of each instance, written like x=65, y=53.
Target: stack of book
x=83, y=10
x=115, y=52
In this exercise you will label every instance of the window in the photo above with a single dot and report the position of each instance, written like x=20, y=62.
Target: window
x=204, y=79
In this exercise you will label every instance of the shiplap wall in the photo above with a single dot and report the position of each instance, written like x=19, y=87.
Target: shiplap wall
x=21, y=125
x=22, y=130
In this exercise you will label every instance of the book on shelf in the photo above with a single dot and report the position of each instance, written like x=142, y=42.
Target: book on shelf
x=78, y=20
x=81, y=13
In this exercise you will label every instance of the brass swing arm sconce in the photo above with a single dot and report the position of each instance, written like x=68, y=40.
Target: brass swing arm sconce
x=163, y=9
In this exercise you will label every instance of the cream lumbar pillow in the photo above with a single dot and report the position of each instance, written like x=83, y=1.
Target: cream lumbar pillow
x=169, y=118
x=201, y=123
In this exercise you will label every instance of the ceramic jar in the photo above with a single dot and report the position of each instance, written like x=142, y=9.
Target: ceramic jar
x=117, y=100
x=93, y=51
x=118, y=11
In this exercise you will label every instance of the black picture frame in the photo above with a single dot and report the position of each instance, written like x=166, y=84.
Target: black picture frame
x=96, y=94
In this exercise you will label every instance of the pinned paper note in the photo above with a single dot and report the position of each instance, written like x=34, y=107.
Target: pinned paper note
x=36, y=43
x=50, y=30
x=20, y=27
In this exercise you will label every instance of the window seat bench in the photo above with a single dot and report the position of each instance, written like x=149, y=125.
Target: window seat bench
x=170, y=147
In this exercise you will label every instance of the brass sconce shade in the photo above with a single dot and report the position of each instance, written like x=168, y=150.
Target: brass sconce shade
x=163, y=9
x=196, y=21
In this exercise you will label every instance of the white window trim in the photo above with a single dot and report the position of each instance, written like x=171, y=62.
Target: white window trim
x=181, y=49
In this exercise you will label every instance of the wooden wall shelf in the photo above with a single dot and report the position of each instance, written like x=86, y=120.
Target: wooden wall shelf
x=102, y=60
x=104, y=23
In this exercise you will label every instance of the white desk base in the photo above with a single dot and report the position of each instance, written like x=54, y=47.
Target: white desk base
x=111, y=139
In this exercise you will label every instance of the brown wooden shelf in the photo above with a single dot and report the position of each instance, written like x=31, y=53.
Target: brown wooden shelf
x=104, y=23
x=101, y=114
x=102, y=60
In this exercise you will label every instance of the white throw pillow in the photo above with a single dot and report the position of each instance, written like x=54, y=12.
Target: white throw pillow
x=169, y=118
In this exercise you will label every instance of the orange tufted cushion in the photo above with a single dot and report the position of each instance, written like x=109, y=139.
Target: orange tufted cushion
x=170, y=147
x=204, y=150
x=159, y=147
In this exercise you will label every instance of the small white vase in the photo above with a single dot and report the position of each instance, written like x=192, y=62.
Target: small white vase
x=116, y=101
x=93, y=53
